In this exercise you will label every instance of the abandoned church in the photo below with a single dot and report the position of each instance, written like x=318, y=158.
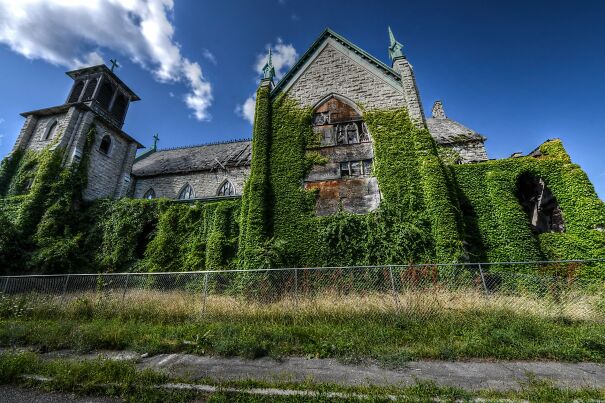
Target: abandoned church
x=343, y=168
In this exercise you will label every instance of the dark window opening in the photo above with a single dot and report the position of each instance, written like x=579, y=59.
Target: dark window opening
x=119, y=107
x=150, y=194
x=90, y=89
x=76, y=91
x=540, y=205
x=51, y=131
x=105, y=94
x=105, y=144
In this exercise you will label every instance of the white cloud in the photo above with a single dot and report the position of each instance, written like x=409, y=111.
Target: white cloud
x=1, y=137
x=73, y=34
x=295, y=17
x=209, y=56
x=284, y=56
x=2, y=120
x=246, y=110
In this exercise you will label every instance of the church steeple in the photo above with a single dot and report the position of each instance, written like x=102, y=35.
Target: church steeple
x=269, y=70
x=395, y=48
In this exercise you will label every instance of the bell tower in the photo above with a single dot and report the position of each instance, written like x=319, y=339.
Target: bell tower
x=100, y=89
x=98, y=99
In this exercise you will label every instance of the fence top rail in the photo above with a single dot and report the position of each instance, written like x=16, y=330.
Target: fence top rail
x=386, y=266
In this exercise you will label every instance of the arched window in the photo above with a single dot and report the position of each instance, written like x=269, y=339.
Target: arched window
x=186, y=193
x=51, y=130
x=90, y=89
x=105, y=94
x=226, y=189
x=540, y=204
x=150, y=194
x=119, y=107
x=105, y=144
x=338, y=122
x=76, y=91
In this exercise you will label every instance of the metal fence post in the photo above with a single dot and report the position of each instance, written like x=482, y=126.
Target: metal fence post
x=395, y=296
x=296, y=286
x=64, y=289
x=205, y=293
x=125, y=287
x=483, y=279
x=6, y=285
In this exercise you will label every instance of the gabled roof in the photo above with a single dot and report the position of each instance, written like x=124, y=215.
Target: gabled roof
x=325, y=35
x=447, y=131
x=205, y=157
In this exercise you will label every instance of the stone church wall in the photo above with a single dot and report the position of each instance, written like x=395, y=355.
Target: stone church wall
x=335, y=71
x=470, y=151
x=36, y=141
x=106, y=170
x=204, y=183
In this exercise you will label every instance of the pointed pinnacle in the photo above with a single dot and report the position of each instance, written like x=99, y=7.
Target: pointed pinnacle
x=391, y=36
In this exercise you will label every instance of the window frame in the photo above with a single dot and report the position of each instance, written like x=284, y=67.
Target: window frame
x=183, y=189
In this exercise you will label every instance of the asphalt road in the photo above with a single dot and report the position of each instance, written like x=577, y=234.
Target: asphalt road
x=15, y=394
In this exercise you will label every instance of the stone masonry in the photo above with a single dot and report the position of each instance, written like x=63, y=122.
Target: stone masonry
x=336, y=70
x=204, y=183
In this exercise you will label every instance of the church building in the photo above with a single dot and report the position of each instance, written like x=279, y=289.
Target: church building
x=340, y=133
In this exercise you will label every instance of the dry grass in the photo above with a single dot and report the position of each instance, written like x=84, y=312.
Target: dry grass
x=183, y=305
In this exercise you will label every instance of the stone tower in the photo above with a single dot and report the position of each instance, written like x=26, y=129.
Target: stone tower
x=98, y=98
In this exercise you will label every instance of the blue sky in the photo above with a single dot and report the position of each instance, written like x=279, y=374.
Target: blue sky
x=519, y=72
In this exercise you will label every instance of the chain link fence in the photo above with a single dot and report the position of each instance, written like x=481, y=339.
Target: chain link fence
x=572, y=288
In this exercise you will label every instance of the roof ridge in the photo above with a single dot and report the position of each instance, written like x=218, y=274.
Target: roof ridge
x=212, y=143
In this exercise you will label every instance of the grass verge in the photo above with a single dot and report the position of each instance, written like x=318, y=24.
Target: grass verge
x=425, y=326
x=123, y=380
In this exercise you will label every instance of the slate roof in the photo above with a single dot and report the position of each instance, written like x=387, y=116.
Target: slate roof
x=447, y=131
x=204, y=157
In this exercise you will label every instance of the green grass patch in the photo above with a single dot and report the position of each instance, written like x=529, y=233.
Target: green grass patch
x=391, y=340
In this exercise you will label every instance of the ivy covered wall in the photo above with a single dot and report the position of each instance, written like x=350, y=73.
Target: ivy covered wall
x=46, y=227
x=497, y=228
x=430, y=211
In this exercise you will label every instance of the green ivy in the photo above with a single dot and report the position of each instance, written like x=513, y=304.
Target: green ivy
x=497, y=228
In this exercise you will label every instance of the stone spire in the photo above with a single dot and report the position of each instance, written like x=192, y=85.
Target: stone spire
x=438, y=112
x=268, y=70
x=395, y=48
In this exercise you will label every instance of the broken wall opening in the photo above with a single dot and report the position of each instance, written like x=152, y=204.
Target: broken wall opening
x=540, y=205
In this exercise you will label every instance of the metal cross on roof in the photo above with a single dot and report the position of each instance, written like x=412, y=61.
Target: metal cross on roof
x=114, y=64
x=156, y=138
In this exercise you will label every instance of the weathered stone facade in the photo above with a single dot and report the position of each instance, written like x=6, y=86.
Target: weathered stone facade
x=205, y=184
x=333, y=71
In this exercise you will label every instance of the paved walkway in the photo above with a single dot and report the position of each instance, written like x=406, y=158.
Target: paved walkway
x=500, y=375
x=470, y=375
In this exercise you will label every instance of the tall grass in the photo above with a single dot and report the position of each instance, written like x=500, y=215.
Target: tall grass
x=392, y=328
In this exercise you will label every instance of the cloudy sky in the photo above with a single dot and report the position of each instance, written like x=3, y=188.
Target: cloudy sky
x=518, y=72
